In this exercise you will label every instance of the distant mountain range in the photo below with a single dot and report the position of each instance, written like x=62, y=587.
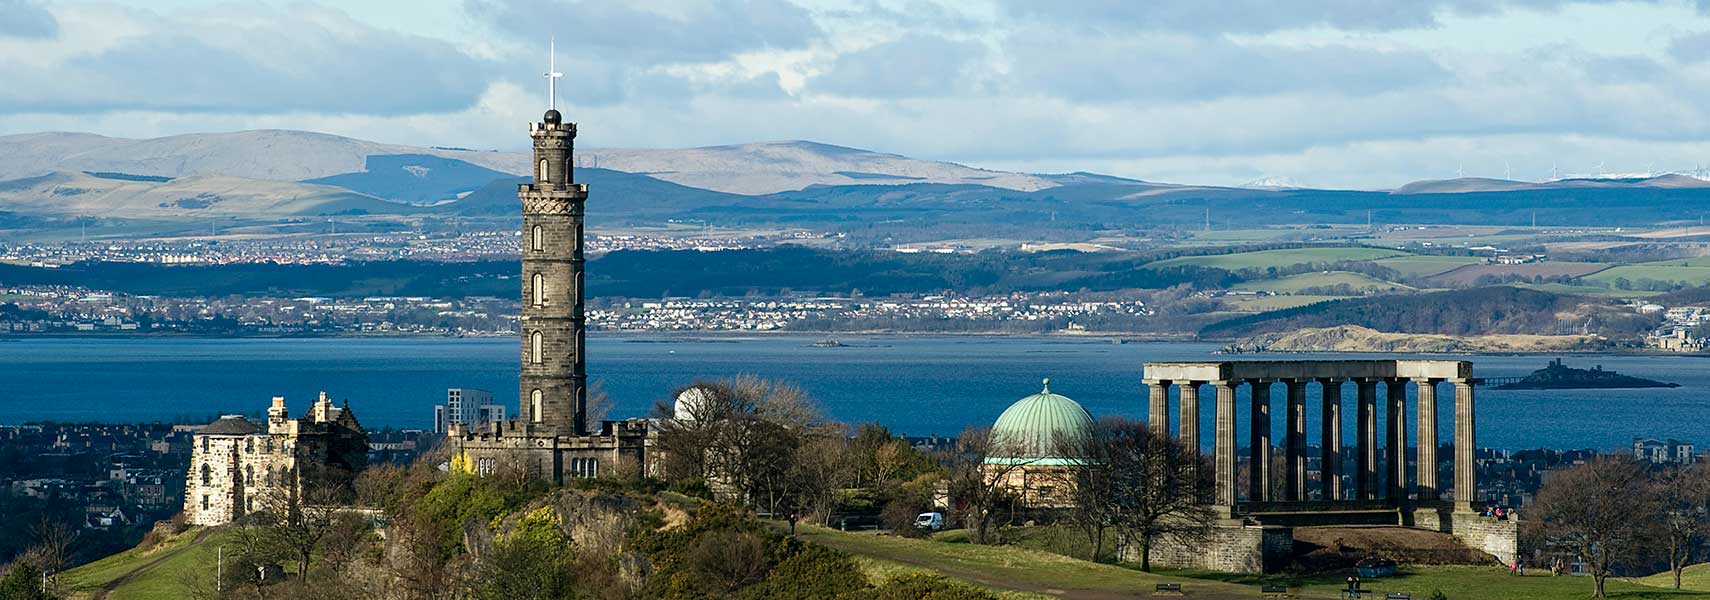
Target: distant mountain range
x=275, y=174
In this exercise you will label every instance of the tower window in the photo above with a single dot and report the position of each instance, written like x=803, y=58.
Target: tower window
x=534, y=346
x=535, y=242
x=542, y=177
x=249, y=475
x=535, y=399
x=207, y=474
x=539, y=289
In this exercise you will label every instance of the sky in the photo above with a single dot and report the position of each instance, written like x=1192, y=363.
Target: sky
x=1365, y=94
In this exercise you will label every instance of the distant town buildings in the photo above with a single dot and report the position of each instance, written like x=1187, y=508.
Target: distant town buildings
x=1669, y=451
x=468, y=406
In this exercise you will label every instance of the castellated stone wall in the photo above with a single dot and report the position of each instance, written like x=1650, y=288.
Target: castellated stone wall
x=1232, y=547
x=619, y=448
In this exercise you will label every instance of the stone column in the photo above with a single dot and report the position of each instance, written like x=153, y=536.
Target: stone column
x=1294, y=471
x=1225, y=444
x=1330, y=437
x=1396, y=439
x=1259, y=443
x=1158, y=409
x=1466, y=470
x=1426, y=471
x=1366, y=414
x=1187, y=423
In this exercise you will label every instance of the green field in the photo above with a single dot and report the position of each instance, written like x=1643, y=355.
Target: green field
x=1696, y=261
x=1296, y=283
x=1692, y=276
x=1426, y=265
x=158, y=574
x=1280, y=258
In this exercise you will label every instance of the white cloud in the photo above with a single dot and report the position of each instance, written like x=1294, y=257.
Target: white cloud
x=1345, y=93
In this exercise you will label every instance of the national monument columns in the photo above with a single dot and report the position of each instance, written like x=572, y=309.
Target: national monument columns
x=1375, y=476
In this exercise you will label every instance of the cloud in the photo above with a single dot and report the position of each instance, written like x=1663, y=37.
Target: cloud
x=1152, y=67
x=1262, y=16
x=652, y=33
x=911, y=66
x=249, y=59
x=24, y=19
x=1690, y=48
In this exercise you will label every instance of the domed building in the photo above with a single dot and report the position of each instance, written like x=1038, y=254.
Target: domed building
x=1031, y=447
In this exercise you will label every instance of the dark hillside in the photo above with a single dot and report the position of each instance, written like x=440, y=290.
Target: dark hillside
x=1481, y=311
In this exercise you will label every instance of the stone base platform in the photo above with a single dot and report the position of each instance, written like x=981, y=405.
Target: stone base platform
x=1264, y=542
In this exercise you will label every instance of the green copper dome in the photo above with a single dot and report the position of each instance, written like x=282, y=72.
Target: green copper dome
x=1031, y=430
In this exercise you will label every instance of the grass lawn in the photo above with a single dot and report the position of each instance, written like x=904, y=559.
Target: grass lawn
x=879, y=570
x=1280, y=258
x=1013, y=568
x=1694, y=577
x=1688, y=275
x=1295, y=283
x=1426, y=265
x=157, y=574
x=1467, y=583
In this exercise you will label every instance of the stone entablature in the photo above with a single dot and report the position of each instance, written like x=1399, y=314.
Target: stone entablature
x=237, y=464
x=1227, y=377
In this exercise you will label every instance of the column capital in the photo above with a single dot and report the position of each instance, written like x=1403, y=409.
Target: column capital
x=1164, y=382
x=1428, y=380
x=1225, y=382
x=1332, y=380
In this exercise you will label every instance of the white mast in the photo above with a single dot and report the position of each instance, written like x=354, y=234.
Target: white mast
x=552, y=74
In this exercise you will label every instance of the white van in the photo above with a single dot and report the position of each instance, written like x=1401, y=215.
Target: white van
x=933, y=521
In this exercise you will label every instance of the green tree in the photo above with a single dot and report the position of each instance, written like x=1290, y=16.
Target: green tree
x=23, y=581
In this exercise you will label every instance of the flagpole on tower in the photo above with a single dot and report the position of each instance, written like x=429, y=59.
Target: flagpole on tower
x=552, y=74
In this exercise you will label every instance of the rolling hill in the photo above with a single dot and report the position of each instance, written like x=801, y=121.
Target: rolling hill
x=285, y=155
x=193, y=197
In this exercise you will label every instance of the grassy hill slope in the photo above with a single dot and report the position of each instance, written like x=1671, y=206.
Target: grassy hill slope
x=163, y=572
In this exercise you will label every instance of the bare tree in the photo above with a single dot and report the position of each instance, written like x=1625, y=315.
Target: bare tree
x=1684, y=493
x=741, y=436
x=1605, y=510
x=982, y=476
x=599, y=405
x=51, y=550
x=1146, y=486
x=294, y=519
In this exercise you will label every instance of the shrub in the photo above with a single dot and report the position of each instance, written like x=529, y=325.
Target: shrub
x=811, y=574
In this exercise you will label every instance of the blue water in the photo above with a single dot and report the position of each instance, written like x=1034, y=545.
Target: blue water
x=916, y=385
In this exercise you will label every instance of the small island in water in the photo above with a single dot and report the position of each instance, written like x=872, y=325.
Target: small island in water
x=1558, y=376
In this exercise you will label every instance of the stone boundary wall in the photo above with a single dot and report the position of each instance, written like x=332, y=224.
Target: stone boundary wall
x=1498, y=538
x=1232, y=547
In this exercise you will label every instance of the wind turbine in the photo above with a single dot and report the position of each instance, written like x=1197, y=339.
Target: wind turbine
x=552, y=74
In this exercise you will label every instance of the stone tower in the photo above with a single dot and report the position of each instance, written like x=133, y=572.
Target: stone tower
x=553, y=384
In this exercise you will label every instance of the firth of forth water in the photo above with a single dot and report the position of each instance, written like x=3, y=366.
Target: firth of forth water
x=914, y=385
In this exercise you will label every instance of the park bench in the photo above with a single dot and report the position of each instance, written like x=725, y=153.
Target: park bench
x=1167, y=589
x=1272, y=590
x=1398, y=596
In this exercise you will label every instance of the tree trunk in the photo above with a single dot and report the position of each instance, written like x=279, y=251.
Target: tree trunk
x=1098, y=549
x=1597, y=581
x=1146, y=552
